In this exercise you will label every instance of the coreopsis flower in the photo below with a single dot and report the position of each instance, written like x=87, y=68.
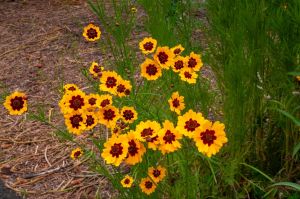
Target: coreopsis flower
x=105, y=100
x=91, y=32
x=136, y=150
x=76, y=153
x=128, y=114
x=147, y=186
x=115, y=149
x=147, y=130
x=95, y=69
x=75, y=122
x=133, y=9
x=177, y=49
x=148, y=45
x=127, y=181
x=108, y=116
x=153, y=143
x=178, y=64
x=73, y=101
x=194, y=62
x=90, y=121
x=176, y=103
x=189, y=123
x=93, y=102
x=123, y=88
x=150, y=70
x=16, y=103
x=70, y=88
x=210, y=137
x=109, y=81
x=164, y=56
x=169, y=138
x=157, y=174
x=188, y=75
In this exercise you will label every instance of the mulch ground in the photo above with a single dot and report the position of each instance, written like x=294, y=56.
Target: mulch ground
x=41, y=47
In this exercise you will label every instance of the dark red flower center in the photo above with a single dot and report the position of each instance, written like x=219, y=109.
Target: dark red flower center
x=121, y=88
x=175, y=103
x=128, y=114
x=162, y=57
x=148, y=132
x=111, y=82
x=132, y=149
x=91, y=33
x=151, y=69
x=178, y=65
x=109, y=114
x=191, y=125
x=188, y=75
x=169, y=137
x=148, y=46
x=17, y=103
x=152, y=139
x=156, y=173
x=77, y=154
x=126, y=181
x=192, y=63
x=116, y=150
x=90, y=120
x=208, y=137
x=105, y=103
x=72, y=88
x=75, y=121
x=96, y=69
x=76, y=102
x=177, y=51
x=148, y=184
x=92, y=101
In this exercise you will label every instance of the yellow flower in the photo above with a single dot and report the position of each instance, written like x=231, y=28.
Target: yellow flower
x=73, y=101
x=96, y=69
x=115, y=149
x=194, y=62
x=189, y=123
x=70, y=88
x=93, y=102
x=147, y=130
x=109, y=81
x=75, y=122
x=177, y=49
x=150, y=70
x=128, y=114
x=188, y=75
x=105, y=100
x=147, y=186
x=123, y=88
x=157, y=174
x=168, y=137
x=298, y=78
x=178, y=64
x=133, y=9
x=210, y=137
x=127, y=181
x=148, y=45
x=76, y=153
x=91, y=32
x=176, y=103
x=16, y=103
x=109, y=116
x=91, y=120
x=164, y=56
x=136, y=150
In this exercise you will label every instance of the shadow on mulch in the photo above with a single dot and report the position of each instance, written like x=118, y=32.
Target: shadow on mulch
x=6, y=193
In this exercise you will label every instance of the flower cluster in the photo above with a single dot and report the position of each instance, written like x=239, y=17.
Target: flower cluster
x=165, y=57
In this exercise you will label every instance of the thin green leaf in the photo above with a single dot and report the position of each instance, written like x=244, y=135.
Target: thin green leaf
x=294, y=73
x=295, y=120
x=289, y=184
x=296, y=149
x=258, y=171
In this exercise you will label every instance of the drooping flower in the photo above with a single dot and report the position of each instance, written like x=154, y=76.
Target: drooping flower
x=128, y=114
x=189, y=123
x=178, y=64
x=115, y=149
x=210, y=137
x=194, y=62
x=188, y=75
x=148, y=45
x=169, y=138
x=177, y=49
x=95, y=69
x=76, y=153
x=123, y=88
x=16, y=103
x=164, y=56
x=127, y=181
x=109, y=81
x=147, y=130
x=91, y=32
x=157, y=174
x=136, y=150
x=147, y=186
x=109, y=116
x=75, y=122
x=150, y=70
x=176, y=103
